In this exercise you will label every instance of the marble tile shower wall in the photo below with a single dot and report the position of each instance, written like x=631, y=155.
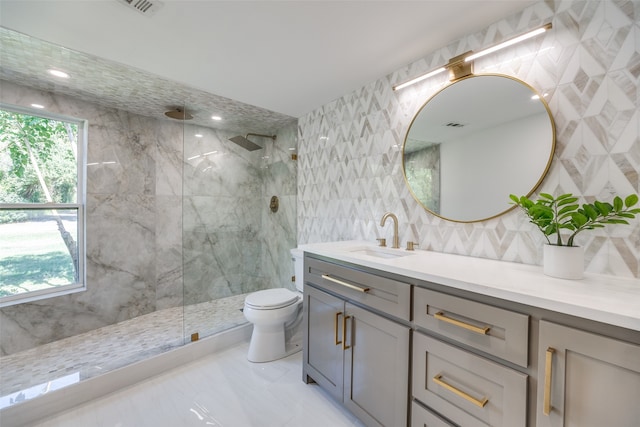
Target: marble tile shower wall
x=350, y=168
x=232, y=242
x=136, y=212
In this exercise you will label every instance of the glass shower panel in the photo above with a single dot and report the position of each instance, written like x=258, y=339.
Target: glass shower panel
x=221, y=227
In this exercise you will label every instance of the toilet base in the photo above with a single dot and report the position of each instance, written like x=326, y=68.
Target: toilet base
x=267, y=346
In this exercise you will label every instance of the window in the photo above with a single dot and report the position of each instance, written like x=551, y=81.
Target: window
x=41, y=205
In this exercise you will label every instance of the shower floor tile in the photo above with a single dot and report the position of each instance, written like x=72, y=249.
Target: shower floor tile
x=33, y=372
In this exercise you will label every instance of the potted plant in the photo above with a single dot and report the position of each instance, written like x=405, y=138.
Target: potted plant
x=563, y=214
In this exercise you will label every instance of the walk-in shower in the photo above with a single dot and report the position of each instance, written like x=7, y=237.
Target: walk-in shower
x=179, y=230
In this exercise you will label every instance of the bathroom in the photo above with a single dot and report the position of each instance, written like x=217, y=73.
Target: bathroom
x=596, y=156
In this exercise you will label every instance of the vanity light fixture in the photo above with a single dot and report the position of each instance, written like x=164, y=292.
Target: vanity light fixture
x=461, y=65
x=58, y=73
x=419, y=78
x=509, y=42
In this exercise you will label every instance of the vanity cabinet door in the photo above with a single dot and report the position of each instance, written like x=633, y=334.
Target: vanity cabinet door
x=376, y=375
x=322, y=351
x=586, y=380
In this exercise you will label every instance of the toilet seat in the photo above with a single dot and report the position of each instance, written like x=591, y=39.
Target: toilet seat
x=271, y=299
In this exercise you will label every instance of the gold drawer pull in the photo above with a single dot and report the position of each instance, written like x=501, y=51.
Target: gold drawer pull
x=344, y=333
x=335, y=325
x=479, y=403
x=547, y=381
x=348, y=285
x=441, y=316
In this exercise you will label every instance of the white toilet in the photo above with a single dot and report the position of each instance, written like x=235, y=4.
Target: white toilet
x=274, y=314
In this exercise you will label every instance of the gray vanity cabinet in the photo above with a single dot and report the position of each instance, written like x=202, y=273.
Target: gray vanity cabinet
x=396, y=350
x=359, y=356
x=586, y=380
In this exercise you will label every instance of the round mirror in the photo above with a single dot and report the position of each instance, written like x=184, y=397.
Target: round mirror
x=475, y=142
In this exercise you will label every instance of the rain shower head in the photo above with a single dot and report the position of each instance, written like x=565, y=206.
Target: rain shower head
x=243, y=142
x=178, y=114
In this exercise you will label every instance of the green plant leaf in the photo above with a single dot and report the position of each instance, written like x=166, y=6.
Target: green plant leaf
x=546, y=196
x=615, y=221
x=626, y=215
x=566, y=209
x=603, y=207
x=631, y=200
x=590, y=211
x=617, y=204
x=564, y=196
x=567, y=200
x=579, y=219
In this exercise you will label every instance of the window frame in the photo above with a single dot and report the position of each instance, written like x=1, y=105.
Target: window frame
x=79, y=207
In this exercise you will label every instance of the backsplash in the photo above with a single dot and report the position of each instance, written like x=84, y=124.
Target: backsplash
x=588, y=65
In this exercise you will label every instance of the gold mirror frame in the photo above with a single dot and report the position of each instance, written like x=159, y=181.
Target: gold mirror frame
x=499, y=209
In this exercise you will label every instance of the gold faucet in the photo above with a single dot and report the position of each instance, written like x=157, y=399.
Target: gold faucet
x=396, y=244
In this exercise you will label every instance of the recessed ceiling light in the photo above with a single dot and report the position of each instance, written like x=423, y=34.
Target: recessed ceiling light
x=198, y=135
x=216, y=118
x=58, y=73
x=38, y=106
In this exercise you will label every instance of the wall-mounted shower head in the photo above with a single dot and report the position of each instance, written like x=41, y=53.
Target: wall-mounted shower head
x=244, y=142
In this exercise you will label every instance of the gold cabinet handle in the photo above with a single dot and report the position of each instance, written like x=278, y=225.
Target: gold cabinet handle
x=344, y=332
x=480, y=403
x=335, y=326
x=348, y=285
x=547, y=381
x=441, y=316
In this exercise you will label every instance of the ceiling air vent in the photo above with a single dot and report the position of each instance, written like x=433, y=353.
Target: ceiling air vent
x=145, y=7
x=454, y=125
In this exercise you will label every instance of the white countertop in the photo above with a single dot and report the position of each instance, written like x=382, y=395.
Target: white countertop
x=607, y=299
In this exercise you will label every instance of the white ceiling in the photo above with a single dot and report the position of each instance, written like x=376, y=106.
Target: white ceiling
x=289, y=57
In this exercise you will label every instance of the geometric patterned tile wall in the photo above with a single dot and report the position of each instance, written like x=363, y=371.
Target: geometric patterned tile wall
x=349, y=169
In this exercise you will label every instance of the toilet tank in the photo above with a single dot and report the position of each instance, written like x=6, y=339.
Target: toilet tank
x=298, y=267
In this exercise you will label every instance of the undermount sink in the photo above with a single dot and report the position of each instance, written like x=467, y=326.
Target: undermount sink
x=380, y=252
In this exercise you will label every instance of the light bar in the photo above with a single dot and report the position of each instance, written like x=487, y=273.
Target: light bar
x=508, y=43
x=473, y=56
x=419, y=78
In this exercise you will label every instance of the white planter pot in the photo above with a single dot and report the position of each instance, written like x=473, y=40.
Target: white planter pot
x=564, y=262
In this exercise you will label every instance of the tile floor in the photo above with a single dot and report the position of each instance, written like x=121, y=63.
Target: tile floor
x=33, y=372
x=221, y=390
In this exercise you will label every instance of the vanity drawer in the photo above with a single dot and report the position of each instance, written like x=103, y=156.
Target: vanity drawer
x=496, y=331
x=471, y=390
x=422, y=417
x=389, y=296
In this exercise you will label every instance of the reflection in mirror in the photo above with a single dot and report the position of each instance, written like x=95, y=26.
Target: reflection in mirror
x=474, y=143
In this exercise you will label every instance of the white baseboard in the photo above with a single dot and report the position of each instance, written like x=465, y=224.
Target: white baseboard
x=39, y=408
